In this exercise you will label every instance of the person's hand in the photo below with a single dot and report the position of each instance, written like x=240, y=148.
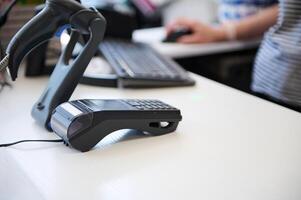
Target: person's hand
x=201, y=33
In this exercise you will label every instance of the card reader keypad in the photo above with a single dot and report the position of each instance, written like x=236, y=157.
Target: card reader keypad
x=149, y=105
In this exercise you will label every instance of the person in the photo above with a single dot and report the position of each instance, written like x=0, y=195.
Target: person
x=239, y=20
x=277, y=68
x=230, y=10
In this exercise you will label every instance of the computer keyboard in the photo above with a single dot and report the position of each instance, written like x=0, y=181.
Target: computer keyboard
x=138, y=65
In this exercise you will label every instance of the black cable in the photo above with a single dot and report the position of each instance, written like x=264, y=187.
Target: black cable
x=22, y=141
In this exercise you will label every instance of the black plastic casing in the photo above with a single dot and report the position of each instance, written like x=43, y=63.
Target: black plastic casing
x=40, y=29
x=90, y=123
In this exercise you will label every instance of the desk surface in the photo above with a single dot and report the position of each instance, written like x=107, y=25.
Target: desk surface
x=154, y=36
x=230, y=145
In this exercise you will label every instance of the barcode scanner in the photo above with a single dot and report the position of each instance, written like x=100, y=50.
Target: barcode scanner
x=82, y=123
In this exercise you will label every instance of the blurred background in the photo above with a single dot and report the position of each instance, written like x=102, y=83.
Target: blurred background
x=204, y=10
x=225, y=68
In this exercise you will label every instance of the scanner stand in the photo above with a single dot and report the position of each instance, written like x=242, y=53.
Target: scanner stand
x=66, y=75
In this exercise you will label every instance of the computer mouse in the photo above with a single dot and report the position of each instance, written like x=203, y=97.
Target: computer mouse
x=176, y=34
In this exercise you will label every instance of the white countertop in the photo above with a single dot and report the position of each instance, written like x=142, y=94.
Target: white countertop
x=229, y=146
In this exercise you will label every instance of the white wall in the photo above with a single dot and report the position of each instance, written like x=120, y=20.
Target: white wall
x=203, y=10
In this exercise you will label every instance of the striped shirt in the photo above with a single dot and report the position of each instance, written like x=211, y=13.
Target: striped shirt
x=230, y=10
x=277, y=71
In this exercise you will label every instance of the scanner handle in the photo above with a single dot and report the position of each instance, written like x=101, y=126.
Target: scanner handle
x=38, y=30
x=65, y=77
